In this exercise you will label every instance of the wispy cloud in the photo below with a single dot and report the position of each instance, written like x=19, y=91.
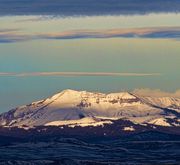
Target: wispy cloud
x=6, y=74
x=156, y=93
x=78, y=74
x=8, y=30
x=13, y=35
x=153, y=33
x=156, y=32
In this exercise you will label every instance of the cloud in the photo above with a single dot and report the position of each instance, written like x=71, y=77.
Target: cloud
x=13, y=35
x=153, y=33
x=8, y=30
x=156, y=93
x=13, y=38
x=73, y=74
x=156, y=32
x=6, y=74
x=35, y=19
x=86, y=7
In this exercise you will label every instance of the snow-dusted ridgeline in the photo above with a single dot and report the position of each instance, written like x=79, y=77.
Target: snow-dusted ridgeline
x=83, y=108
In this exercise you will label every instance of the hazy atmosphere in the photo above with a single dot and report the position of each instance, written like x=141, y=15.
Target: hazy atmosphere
x=90, y=82
x=42, y=53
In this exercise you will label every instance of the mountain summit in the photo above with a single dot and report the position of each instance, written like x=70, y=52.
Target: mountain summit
x=83, y=108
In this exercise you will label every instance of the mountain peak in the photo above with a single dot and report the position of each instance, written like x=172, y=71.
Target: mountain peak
x=75, y=105
x=69, y=91
x=122, y=95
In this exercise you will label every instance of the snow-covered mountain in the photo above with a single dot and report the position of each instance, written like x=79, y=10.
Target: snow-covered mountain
x=83, y=108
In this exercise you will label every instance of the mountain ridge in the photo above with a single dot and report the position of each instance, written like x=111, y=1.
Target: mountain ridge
x=75, y=105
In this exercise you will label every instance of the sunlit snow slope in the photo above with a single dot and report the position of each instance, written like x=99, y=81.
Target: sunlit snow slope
x=83, y=108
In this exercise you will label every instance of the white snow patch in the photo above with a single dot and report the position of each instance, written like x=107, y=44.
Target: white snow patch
x=176, y=124
x=160, y=122
x=84, y=122
x=131, y=128
x=24, y=127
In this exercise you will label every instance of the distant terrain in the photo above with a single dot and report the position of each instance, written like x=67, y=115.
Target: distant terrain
x=80, y=127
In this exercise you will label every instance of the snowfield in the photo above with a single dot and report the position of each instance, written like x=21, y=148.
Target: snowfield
x=129, y=129
x=160, y=121
x=87, y=121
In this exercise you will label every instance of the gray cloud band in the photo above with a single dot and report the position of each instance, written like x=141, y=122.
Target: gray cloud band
x=73, y=74
x=87, y=7
x=8, y=36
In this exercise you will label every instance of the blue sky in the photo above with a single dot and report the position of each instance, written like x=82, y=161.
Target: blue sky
x=43, y=54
